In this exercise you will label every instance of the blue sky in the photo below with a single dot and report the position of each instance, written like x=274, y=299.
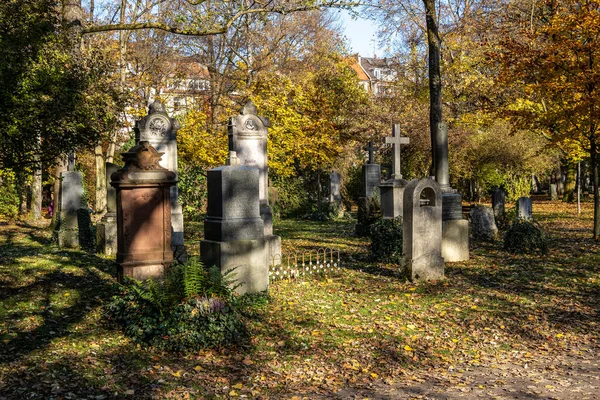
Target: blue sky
x=361, y=35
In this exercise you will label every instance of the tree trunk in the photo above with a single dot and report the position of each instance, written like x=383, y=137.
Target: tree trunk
x=595, y=180
x=23, y=194
x=571, y=169
x=36, y=193
x=100, y=180
x=435, y=76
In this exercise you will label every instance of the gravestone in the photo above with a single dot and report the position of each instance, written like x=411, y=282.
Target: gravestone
x=161, y=132
x=392, y=190
x=106, y=228
x=553, y=192
x=422, y=230
x=455, y=229
x=536, y=187
x=483, y=224
x=143, y=190
x=70, y=207
x=524, y=208
x=498, y=205
x=335, y=195
x=233, y=229
x=369, y=202
x=371, y=173
x=248, y=134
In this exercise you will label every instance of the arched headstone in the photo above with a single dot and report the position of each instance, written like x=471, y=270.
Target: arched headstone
x=422, y=230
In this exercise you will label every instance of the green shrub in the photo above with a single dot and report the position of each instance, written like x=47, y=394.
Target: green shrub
x=192, y=308
x=9, y=197
x=192, y=192
x=386, y=240
x=525, y=237
x=369, y=211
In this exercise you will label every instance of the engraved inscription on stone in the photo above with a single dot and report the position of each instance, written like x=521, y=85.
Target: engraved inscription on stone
x=158, y=125
x=147, y=175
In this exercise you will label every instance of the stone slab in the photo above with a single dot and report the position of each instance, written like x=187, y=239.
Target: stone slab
x=392, y=198
x=371, y=179
x=248, y=258
x=455, y=240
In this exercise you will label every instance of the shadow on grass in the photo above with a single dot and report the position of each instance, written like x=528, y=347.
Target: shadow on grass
x=57, y=292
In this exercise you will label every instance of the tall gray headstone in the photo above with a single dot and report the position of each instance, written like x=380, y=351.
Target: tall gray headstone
x=498, y=204
x=392, y=190
x=524, y=208
x=371, y=175
x=160, y=131
x=422, y=230
x=248, y=134
x=248, y=139
x=234, y=229
x=106, y=229
x=335, y=195
x=455, y=229
x=70, y=203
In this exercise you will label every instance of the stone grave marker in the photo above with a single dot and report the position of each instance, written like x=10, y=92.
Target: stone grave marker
x=160, y=131
x=371, y=174
x=143, y=214
x=524, y=208
x=106, y=228
x=392, y=191
x=233, y=228
x=498, y=204
x=483, y=224
x=248, y=134
x=70, y=207
x=335, y=194
x=422, y=230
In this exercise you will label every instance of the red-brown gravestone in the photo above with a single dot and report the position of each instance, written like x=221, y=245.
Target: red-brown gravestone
x=143, y=214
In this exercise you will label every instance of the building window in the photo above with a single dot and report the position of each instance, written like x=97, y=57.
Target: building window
x=377, y=73
x=177, y=103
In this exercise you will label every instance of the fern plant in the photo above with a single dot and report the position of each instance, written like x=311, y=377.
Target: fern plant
x=194, y=277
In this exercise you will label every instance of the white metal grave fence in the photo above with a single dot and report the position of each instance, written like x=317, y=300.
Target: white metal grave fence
x=309, y=263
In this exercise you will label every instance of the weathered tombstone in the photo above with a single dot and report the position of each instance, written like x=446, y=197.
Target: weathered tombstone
x=248, y=134
x=233, y=228
x=335, y=195
x=106, y=228
x=553, y=192
x=455, y=229
x=369, y=202
x=392, y=191
x=161, y=132
x=70, y=202
x=524, y=208
x=498, y=204
x=371, y=175
x=143, y=214
x=536, y=187
x=483, y=224
x=422, y=230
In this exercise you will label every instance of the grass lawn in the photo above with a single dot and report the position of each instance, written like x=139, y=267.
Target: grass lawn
x=499, y=325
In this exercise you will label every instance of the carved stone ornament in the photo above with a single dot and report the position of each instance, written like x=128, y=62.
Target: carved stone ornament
x=142, y=157
x=159, y=125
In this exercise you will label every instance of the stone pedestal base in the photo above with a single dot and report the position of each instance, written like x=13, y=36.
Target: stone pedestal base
x=426, y=268
x=455, y=240
x=140, y=272
x=67, y=238
x=106, y=236
x=392, y=197
x=248, y=258
x=273, y=248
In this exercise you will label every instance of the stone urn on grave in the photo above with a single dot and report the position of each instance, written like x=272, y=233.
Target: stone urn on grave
x=143, y=214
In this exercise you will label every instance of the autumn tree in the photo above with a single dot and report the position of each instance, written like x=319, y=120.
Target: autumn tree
x=551, y=58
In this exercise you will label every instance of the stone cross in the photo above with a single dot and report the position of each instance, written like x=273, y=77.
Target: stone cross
x=370, y=149
x=396, y=140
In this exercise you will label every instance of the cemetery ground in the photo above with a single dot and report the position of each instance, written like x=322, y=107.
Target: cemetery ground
x=500, y=325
